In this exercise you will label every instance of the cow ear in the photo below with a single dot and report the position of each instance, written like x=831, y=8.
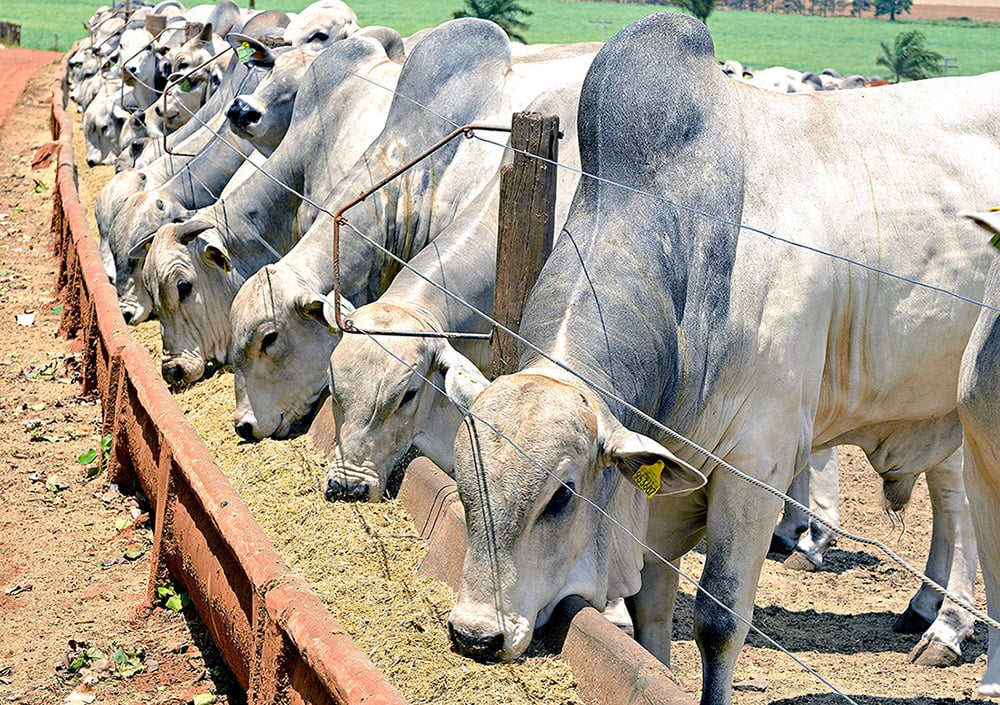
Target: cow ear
x=320, y=309
x=250, y=51
x=650, y=466
x=187, y=231
x=141, y=247
x=988, y=220
x=216, y=254
x=462, y=380
x=120, y=112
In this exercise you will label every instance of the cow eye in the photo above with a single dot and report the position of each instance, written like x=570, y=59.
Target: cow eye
x=183, y=289
x=319, y=37
x=561, y=498
x=408, y=396
x=268, y=340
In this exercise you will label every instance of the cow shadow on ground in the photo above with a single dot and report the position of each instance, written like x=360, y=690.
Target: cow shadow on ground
x=836, y=561
x=827, y=632
x=835, y=699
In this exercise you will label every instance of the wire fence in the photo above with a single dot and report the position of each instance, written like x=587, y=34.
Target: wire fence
x=608, y=394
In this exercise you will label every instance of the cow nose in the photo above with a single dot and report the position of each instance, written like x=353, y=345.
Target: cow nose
x=91, y=163
x=173, y=374
x=127, y=315
x=241, y=114
x=244, y=429
x=478, y=647
x=158, y=110
x=337, y=491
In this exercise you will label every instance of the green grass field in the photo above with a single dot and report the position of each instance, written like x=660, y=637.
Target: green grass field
x=808, y=43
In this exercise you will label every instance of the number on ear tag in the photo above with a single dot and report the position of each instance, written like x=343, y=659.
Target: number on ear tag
x=648, y=477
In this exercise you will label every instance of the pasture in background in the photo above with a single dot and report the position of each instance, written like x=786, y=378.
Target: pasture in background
x=807, y=43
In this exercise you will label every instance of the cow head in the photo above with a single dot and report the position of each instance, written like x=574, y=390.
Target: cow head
x=535, y=476
x=186, y=95
x=263, y=116
x=191, y=282
x=102, y=123
x=320, y=24
x=281, y=350
x=133, y=227
x=382, y=404
x=139, y=62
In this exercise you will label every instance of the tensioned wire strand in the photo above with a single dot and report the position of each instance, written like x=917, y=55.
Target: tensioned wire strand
x=610, y=395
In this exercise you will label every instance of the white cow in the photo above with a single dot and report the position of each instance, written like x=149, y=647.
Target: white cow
x=757, y=350
x=319, y=24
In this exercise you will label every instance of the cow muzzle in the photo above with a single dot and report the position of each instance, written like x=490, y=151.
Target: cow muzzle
x=242, y=115
x=479, y=647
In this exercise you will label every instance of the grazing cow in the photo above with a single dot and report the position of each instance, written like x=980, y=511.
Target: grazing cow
x=381, y=407
x=137, y=53
x=979, y=388
x=102, y=122
x=759, y=351
x=461, y=70
x=193, y=271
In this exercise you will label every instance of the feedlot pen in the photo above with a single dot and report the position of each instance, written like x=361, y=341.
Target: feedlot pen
x=361, y=561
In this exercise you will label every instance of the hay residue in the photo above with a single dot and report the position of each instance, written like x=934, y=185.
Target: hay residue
x=361, y=559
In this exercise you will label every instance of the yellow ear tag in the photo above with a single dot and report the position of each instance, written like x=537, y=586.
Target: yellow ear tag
x=648, y=477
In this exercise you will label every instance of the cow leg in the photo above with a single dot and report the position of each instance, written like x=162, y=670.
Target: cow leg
x=652, y=608
x=794, y=521
x=739, y=527
x=824, y=499
x=953, y=558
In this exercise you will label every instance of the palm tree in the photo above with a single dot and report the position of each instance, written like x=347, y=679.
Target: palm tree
x=506, y=13
x=909, y=58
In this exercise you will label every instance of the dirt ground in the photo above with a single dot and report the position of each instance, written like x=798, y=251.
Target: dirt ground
x=74, y=563
x=58, y=540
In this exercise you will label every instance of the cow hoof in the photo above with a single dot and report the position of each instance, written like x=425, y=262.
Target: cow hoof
x=933, y=653
x=910, y=622
x=799, y=561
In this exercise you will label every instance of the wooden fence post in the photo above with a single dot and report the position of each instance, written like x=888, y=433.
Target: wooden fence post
x=527, y=226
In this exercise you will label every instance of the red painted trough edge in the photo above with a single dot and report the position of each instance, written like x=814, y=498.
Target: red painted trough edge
x=281, y=642
x=610, y=667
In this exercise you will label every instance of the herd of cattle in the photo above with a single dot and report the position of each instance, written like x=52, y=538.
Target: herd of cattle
x=689, y=294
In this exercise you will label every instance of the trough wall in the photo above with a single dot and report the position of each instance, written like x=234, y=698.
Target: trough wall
x=280, y=641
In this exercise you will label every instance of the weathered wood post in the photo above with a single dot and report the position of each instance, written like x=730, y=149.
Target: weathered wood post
x=527, y=226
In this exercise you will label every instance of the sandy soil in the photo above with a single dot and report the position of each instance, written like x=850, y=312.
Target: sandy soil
x=74, y=563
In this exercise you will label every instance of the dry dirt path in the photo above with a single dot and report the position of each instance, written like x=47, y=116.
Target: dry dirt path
x=74, y=561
